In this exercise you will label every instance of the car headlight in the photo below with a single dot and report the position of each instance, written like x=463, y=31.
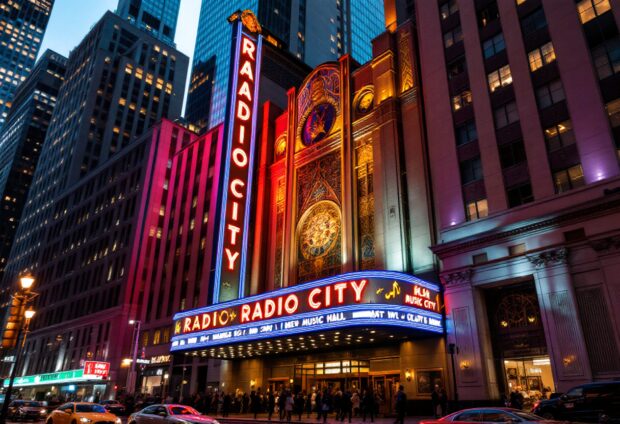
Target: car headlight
x=43, y=411
x=215, y=422
x=118, y=421
x=85, y=420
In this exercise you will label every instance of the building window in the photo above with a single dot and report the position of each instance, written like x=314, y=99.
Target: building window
x=550, y=94
x=590, y=9
x=559, y=136
x=145, y=339
x=568, y=179
x=494, y=45
x=466, y=133
x=533, y=22
x=613, y=111
x=606, y=57
x=511, y=154
x=541, y=56
x=471, y=170
x=461, y=100
x=499, y=78
x=505, y=115
x=450, y=38
x=457, y=67
x=488, y=15
x=476, y=209
x=480, y=258
x=156, y=337
x=448, y=8
x=520, y=195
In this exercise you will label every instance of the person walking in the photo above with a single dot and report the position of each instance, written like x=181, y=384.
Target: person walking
x=355, y=402
x=318, y=405
x=299, y=405
x=326, y=405
x=254, y=403
x=289, y=405
x=346, y=406
x=368, y=405
x=401, y=405
x=226, y=405
x=271, y=404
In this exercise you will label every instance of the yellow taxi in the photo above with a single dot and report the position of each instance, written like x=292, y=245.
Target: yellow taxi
x=81, y=413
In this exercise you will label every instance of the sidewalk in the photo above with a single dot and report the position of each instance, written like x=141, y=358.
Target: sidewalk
x=262, y=418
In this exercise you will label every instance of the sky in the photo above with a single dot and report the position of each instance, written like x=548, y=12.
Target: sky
x=72, y=19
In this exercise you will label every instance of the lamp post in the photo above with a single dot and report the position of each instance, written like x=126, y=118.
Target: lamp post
x=25, y=296
x=452, y=350
x=131, y=375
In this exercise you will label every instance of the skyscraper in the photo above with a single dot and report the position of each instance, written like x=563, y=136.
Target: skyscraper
x=158, y=17
x=313, y=34
x=22, y=26
x=21, y=141
x=119, y=81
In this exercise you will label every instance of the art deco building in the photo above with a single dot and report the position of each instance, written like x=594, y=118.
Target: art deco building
x=157, y=17
x=22, y=139
x=119, y=81
x=313, y=34
x=22, y=26
x=522, y=106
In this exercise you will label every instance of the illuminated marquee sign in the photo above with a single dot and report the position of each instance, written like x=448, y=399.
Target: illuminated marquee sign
x=241, y=128
x=360, y=298
x=96, y=369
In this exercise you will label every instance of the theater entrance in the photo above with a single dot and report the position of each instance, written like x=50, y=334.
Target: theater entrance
x=333, y=375
x=385, y=387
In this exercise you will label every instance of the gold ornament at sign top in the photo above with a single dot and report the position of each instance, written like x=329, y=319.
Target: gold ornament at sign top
x=248, y=19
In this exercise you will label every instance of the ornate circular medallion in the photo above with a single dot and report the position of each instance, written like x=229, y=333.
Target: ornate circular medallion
x=319, y=230
x=318, y=124
x=364, y=104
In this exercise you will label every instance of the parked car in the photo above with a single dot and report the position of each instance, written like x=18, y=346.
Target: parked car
x=82, y=413
x=591, y=403
x=503, y=415
x=169, y=413
x=114, y=407
x=26, y=410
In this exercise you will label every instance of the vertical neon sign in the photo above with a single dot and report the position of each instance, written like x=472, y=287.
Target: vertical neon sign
x=230, y=268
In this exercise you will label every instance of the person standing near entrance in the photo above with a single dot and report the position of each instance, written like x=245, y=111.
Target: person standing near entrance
x=440, y=401
x=401, y=405
x=346, y=406
x=271, y=404
x=368, y=405
x=326, y=404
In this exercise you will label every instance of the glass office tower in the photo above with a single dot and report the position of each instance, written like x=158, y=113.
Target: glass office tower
x=158, y=17
x=22, y=26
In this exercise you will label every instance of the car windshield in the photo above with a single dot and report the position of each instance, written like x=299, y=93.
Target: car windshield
x=526, y=416
x=28, y=403
x=89, y=408
x=183, y=410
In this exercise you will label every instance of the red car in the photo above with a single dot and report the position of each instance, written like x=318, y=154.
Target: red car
x=489, y=415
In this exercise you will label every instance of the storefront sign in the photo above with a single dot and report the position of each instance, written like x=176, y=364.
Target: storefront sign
x=229, y=282
x=52, y=378
x=96, y=369
x=160, y=359
x=360, y=298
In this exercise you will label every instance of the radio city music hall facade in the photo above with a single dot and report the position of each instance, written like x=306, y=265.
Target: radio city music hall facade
x=314, y=239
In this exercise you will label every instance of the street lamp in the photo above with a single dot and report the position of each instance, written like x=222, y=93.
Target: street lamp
x=25, y=297
x=132, y=374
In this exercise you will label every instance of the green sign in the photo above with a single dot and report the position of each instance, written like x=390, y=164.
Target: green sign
x=51, y=378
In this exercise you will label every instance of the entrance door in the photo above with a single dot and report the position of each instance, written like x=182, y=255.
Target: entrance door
x=385, y=388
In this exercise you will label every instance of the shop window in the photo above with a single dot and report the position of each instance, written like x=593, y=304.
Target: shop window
x=476, y=209
x=505, y=115
x=606, y=57
x=493, y=45
x=550, y=94
x=499, y=78
x=541, y=56
x=568, y=179
x=533, y=22
x=511, y=154
x=520, y=195
x=471, y=170
x=448, y=8
x=452, y=37
x=466, y=133
x=559, y=135
x=590, y=9
x=461, y=100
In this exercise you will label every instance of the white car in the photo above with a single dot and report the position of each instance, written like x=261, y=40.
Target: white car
x=172, y=413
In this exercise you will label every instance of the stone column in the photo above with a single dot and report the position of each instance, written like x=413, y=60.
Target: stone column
x=558, y=309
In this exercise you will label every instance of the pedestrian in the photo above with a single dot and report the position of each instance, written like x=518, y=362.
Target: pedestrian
x=346, y=406
x=281, y=404
x=326, y=404
x=516, y=399
x=401, y=405
x=355, y=402
x=226, y=404
x=299, y=404
x=443, y=402
x=289, y=405
x=254, y=403
x=435, y=401
x=368, y=405
x=271, y=404
x=308, y=404
x=318, y=405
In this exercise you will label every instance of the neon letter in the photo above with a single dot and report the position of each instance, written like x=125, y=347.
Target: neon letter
x=258, y=312
x=233, y=188
x=358, y=288
x=245, y=91
x=206, y=321
x=270, y=308
x=243, y=111
x=233, y=233
x=313, y=304
x=235, y=211
x=340, y=287
x=246, y=69
x=248, y=47
x=241, y=134
x=291, y=304
x=187, y=325
x=240, y=157
x=232, y=257
x=245, y=313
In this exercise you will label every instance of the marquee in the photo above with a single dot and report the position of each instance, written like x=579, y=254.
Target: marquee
x=368, y=298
